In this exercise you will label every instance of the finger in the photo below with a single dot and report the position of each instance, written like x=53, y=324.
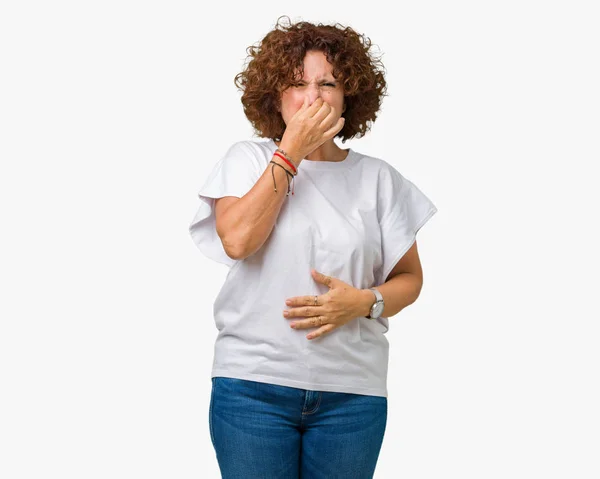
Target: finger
x=328, y=120
x=322, y=112
x=305, y=312
x=314, y=322
x=305, y=103
x=305, y=301
x=335, y=129
x=321, y=331
x=314, y=108
x=322, y=278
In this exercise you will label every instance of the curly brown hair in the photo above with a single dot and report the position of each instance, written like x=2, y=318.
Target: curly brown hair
x=278, y=62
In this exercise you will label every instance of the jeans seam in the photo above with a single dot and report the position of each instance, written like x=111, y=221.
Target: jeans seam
x=210, y=413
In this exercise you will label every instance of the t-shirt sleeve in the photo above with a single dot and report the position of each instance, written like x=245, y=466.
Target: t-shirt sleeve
x=402, y=210
x=233, y=175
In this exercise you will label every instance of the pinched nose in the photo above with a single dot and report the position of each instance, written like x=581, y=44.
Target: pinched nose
x=313, y=93
x=312, y=97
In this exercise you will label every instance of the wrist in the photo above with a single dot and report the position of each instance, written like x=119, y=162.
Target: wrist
x=368, y=299
x=291, y=152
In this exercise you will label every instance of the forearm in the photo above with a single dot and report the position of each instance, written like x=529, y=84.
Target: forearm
x=248, y=223
x=398, y=292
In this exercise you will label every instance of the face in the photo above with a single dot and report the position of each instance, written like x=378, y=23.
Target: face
x=318, y=81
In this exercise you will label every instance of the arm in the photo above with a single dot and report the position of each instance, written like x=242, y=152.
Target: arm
x=402, y=287
x=344, y=303
x=245, y=223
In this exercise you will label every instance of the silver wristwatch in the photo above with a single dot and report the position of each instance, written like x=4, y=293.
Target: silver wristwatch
x=377, y=307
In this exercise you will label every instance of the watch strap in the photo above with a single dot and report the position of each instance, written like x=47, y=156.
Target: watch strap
x=379, y=298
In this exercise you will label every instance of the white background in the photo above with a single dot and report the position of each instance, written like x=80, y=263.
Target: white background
x=112, y=113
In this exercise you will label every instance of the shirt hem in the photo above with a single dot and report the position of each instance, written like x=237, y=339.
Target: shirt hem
x=336, y=388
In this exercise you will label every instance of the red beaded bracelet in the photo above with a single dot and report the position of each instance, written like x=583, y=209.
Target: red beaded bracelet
x=287, y=161
x=287, y=156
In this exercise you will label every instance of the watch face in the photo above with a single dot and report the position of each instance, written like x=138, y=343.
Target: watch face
x=377, y=309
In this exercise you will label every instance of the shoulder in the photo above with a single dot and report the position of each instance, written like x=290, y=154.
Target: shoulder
x=249, y=153
x=375, y=162
x=385, y=172
x=241, y=147
x=257, y=151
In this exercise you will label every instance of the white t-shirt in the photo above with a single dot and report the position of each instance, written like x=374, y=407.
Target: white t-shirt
x=352, y=220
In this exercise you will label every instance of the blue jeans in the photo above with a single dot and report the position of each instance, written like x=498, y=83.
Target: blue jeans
x=266, y=431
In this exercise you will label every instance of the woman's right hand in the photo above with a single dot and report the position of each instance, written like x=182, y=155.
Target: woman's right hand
x=309, y=128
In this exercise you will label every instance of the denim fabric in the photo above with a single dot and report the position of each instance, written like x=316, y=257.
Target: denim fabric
x=262, y=430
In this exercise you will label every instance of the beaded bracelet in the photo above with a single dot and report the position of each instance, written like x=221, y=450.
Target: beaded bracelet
x=288, y=174
x=288, y=159
x=295, y=171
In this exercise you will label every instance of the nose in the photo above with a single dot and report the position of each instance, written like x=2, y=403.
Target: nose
x=313, y=92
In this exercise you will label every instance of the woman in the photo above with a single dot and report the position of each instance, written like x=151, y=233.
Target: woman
x=321, y=246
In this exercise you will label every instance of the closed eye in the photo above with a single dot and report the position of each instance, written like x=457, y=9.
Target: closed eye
x=304, y=84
